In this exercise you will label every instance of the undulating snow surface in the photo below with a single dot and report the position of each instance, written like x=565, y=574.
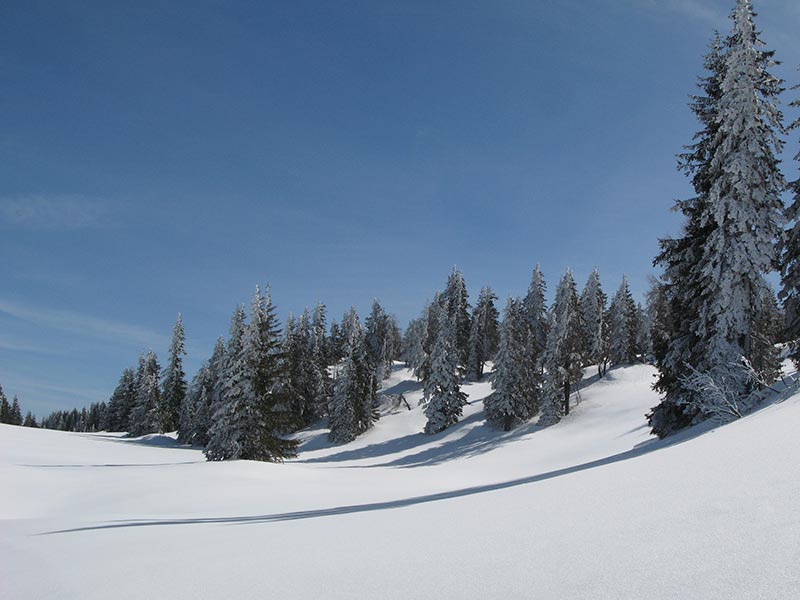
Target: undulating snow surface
x=590, y=508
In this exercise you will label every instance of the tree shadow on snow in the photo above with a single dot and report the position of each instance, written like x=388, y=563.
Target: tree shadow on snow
x=636, y=452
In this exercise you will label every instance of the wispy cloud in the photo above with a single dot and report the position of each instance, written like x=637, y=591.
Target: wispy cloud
x=706, y=11
x=46, y=212
x=85, y=325
x=7, y=343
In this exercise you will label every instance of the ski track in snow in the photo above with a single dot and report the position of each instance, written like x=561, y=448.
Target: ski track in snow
x=593, y=507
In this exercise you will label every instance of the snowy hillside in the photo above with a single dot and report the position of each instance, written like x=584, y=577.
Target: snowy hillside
x=590, y=508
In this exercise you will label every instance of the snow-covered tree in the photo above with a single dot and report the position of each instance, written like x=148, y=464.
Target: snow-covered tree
x=422, y=359
x=144, y=414
x=336, y=344
x=226, y=436
x=5, y=407
x=483, y=336
x=205, y=413
x=517, y=382
x=715, y=273
x=269, y=416
x=456, y=302
x=174, y=390
x=15, y=413
x=536, y=312
x=320, y=352
x=121, y=402
x=378, y=342
x=302, y=380
x=623, y=327
x=444, y=400
x=593, y=308
x=353, y=409
x=744, y=199
x=30, y=420
x=412, y=341
x=563, y=356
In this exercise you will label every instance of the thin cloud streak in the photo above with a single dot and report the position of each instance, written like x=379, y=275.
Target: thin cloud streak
x=51, y=213
x=13, y=345
x=85, y=325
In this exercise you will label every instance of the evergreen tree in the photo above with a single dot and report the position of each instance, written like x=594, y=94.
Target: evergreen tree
x=412, y=341
x=593, y=308
x=679, y=343
x=517, y=382
x=353, y=409
x=30, y=420
x=5, y=408
x=377, y=341
x=422, y=362
x=15, y=414
x=536, y=312
x=715, y=274
x=209, y=388
x=336, y=344
x=144, y=414
x=321, y=356
x=456, y=302
x=227, y=429
x=174, y=390
x=484, y=336
x=122, y=401
x=623, y=327
x=302, y=381
x=562, y=357
x=443, y=396
x=269, y=417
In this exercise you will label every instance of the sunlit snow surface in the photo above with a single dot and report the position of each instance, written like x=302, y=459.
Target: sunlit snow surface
x=590, y=508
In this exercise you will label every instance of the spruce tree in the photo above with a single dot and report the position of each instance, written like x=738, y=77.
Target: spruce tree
x=268, y=416
x=174, y=390
x=5, y=407
x=744, y=199
x=484, y=336
x=623, y=327
x=377, y=341
x=353, y=409
x=144, y=413
x=227, y=428
x=30, y=420
x=593, y=308
x=122, y=401
x=456, y=303
x=516, y=383
x=444, y=400
x=212, y=382
x=715, y=273
x=15, y=414
x=301, y=381
x=536, y=313
x=563, y=356
x=412, y=342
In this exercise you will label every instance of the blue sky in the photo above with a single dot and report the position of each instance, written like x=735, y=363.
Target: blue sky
x=163, y=157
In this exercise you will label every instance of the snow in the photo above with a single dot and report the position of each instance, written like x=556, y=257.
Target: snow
x=592, y=507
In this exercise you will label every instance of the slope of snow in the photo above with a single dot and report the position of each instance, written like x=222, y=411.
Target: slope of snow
x=590, y=508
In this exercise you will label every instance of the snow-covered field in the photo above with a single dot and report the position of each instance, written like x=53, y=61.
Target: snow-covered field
x=590, y=508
